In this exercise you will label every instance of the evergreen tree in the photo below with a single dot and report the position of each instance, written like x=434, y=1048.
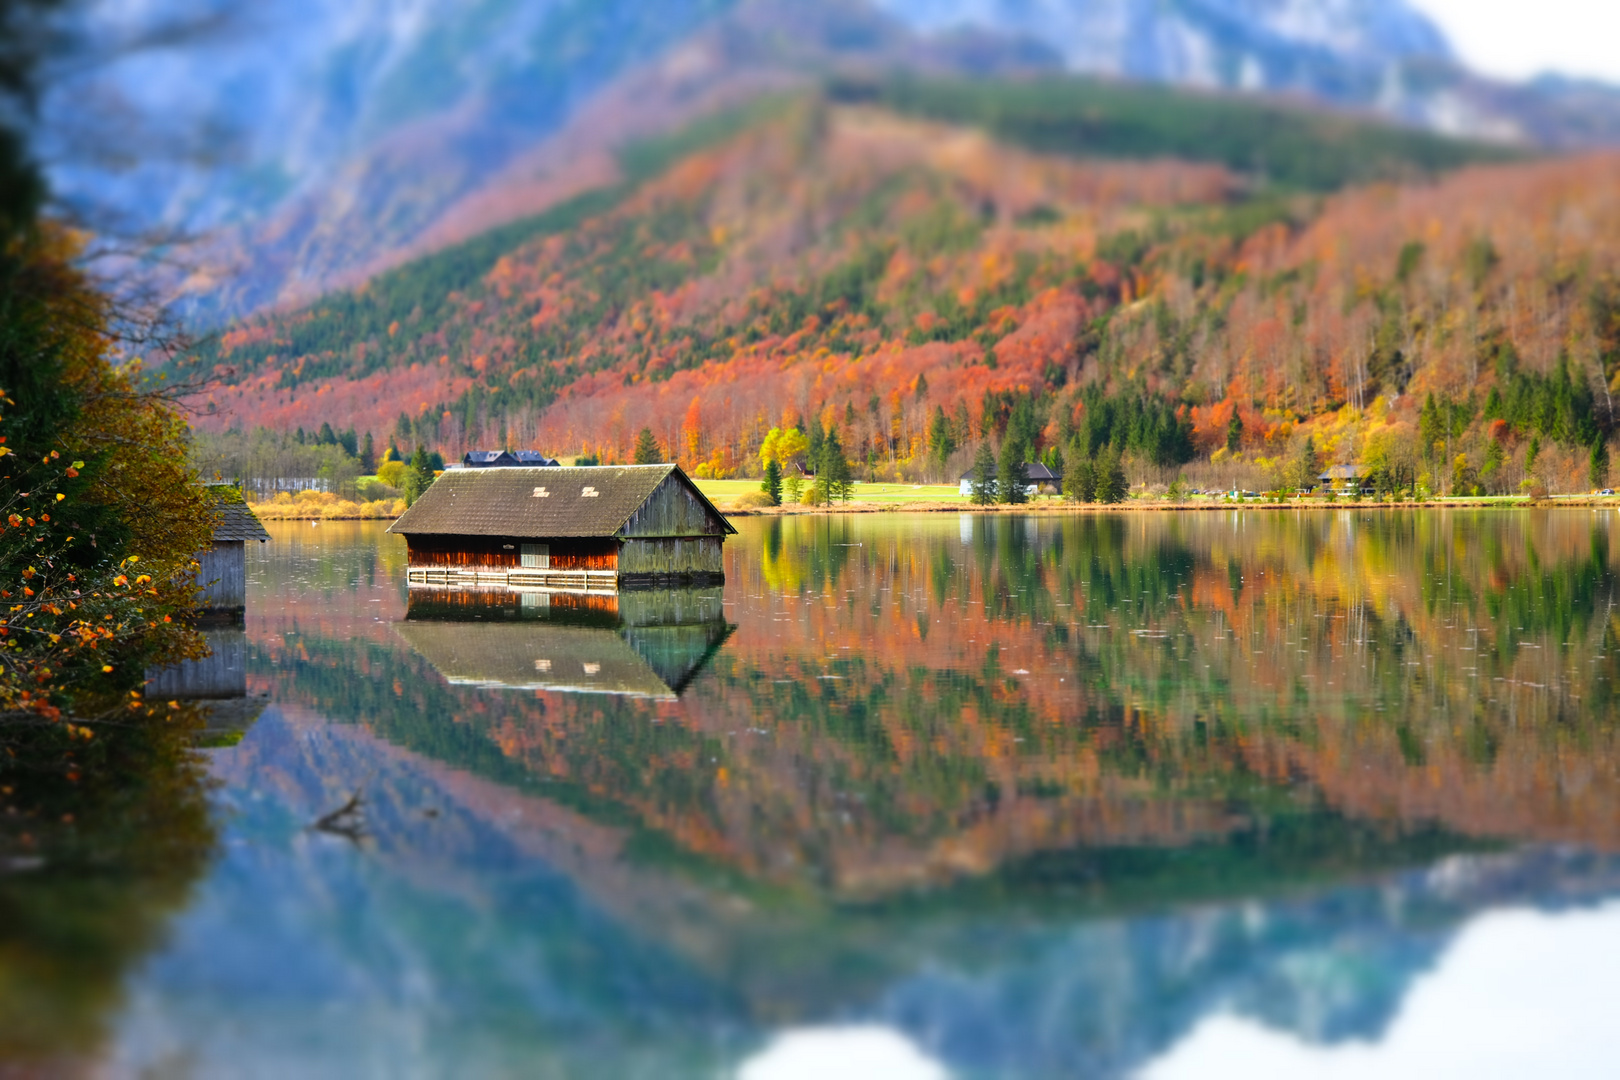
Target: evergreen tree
x=418, y=475
x=772, y=484
x=1012, y=474
x=984, y=476
x=368, y=456
x=1431, y=426
x=647, y=449
x=834, y=471
x=1080, y=482
x=327, y=437
x=1234, y=432
x=1533, y=452
x=1112, y=485
x=961, y=425
x=1600, y=464
x=940, y=442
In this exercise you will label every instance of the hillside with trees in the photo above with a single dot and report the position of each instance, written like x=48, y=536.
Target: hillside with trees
x=923, y=269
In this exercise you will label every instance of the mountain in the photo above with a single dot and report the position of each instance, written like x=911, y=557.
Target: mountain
x=1331, y=48
x=343, y=138
x=868, y=257
x=312, y=144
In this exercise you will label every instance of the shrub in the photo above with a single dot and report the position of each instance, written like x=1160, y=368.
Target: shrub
x=752, y=500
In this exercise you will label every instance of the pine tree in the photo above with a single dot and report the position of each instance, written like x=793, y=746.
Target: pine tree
x=984, y=476
x=833, y=474
x=772, y=484
x=418, y=476
x=1600, y=464
x=647, y=449
x=368, y=456
x=1112, y=485
x=1080, y=482
x=1012, y=474
x=1234, y=432
x=940, y=442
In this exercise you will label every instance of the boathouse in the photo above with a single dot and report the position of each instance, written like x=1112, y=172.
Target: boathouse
x=223, y=573
x=594, y=529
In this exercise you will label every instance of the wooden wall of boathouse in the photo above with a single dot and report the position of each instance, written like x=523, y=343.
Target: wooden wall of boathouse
x=673, y=510
x=677, y=558
x=589, y=553
x=223, y=576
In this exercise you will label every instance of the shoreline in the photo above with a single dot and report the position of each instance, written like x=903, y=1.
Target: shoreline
x=1054, y=507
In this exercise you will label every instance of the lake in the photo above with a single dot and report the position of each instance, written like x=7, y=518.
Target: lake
x=1222, y=793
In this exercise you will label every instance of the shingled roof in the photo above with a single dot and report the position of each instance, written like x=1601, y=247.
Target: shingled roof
x=236, y=521
x=538, y=502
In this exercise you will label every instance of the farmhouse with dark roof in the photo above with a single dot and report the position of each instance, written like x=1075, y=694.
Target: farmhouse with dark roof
x=594, y=528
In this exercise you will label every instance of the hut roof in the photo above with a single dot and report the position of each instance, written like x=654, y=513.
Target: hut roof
x=486, y=459
x=539, y=502
x=1342, y=472
x=236, y=521
x=1036, y=472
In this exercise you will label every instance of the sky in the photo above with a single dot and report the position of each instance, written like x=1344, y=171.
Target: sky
x=1516, y=39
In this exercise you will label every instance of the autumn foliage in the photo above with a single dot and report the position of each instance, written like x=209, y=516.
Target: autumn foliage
x=842, y=263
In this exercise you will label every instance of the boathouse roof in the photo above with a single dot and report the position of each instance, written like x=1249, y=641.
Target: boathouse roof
x=594, y=501
x=236, y=521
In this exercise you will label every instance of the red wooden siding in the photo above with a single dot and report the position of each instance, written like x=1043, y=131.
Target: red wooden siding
x=494, y=551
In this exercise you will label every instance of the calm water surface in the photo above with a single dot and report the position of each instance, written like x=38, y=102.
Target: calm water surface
x=1218, y=794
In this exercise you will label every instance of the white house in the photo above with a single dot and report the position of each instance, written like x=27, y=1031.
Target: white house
x=1039, y=477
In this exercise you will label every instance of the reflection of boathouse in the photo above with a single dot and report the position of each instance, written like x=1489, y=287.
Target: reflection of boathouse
x=590, y=529
x=641, y=643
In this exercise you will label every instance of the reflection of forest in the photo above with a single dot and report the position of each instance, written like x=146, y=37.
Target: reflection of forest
x=913, y=699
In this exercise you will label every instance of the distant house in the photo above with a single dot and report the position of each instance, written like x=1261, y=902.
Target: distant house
x=505, y=459
x=223, y=576
x=1040, y=479
x=594, y=528
x=1340, y=477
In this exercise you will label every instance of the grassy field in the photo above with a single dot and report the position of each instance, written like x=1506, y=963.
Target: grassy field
x=723, y=491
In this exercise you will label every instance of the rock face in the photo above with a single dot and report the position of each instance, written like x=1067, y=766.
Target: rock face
x=1333, y=48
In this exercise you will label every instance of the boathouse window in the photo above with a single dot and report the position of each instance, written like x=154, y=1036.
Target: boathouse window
x=537, y=556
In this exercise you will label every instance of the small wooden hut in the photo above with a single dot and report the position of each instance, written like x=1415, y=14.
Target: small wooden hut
x=223, y=576
x=595, y=528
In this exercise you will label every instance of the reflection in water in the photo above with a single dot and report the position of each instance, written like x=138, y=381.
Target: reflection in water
x=1518, y=994
x=643, y=643
x=1041, y=794
x=813, y=1053
x=96, y=855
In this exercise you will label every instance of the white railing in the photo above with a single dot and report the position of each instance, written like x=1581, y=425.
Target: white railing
x=513, y=578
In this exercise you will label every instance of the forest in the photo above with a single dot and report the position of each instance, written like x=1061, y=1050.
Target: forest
x=911, y=263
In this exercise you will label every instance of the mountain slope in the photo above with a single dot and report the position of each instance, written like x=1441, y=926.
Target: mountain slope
x=846, y=263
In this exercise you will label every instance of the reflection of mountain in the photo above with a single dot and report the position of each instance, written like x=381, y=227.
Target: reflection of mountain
x=647, y=643
x=503, y=928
